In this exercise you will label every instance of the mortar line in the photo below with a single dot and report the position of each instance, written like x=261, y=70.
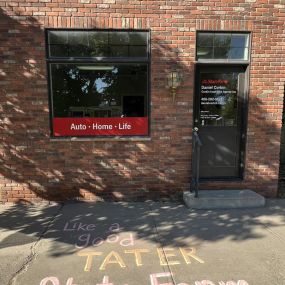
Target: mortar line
x=32, y=255
x=157, y=236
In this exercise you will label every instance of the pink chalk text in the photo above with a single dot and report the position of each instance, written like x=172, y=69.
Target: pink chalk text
x=155, y=279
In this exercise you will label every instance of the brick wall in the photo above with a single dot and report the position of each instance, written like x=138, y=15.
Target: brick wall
x=34, y=167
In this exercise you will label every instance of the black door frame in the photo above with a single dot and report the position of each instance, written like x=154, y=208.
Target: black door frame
x=244, y=113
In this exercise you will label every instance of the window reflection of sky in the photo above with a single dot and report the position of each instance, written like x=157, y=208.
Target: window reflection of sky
x=72, y=72
x=100, y=85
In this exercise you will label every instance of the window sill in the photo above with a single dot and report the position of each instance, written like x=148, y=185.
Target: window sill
x=102, y=139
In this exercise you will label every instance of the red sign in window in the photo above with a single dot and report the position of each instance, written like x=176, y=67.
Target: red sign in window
x=131, y=126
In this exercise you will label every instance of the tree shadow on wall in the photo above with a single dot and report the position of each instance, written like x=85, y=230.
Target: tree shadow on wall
x=34, y=167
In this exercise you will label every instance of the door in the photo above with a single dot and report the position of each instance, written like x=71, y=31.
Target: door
x=219, y=115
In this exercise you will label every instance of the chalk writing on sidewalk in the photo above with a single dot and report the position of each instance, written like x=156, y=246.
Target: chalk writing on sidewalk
x=85, y=227
x=86, y=240
x=89, y=241
x=164, y=257
x=155, y=279
x=87, y=235
x=55, y=281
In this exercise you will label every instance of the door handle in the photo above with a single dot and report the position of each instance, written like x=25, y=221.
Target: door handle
x=196, y=136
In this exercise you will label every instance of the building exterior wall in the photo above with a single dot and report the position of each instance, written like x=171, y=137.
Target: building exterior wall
x=35, y=167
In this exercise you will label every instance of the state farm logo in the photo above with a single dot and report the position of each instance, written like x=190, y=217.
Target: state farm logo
x=215, y=81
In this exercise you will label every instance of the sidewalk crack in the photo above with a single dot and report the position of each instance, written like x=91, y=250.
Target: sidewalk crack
x=157, y=240
x=274, y=234
x=31, y=257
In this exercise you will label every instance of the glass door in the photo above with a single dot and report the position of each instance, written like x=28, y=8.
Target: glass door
x=220, y=119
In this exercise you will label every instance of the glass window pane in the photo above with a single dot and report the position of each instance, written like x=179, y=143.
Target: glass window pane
x=238, y=53
x=221, y=52
x=118, y=38
x=138, y=51
x=222, y=40
x=98, y=44
x=109, y=90
x=205, y=39
x=58, y=50
x=117, y=51
x=101, y=98
x=240, y=40
x=222, y=46
x=79, y=50
x=99, y=51
x=218, y=100
x=58, y=37
x=78, y=38
x=98, y=38
x=204, y=52
x=138, y=38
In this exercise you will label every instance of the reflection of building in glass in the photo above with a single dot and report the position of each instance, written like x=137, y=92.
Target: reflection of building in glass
x=94, y=112
x=132, y=106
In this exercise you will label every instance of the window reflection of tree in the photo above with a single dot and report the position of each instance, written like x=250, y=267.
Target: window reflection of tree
x=77, y=88
x=73, y=87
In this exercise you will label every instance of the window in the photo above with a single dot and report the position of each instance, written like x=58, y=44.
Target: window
x=98, y=82
x=223, y=46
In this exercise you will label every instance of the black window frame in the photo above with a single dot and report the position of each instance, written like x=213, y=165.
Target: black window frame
x=91, y=60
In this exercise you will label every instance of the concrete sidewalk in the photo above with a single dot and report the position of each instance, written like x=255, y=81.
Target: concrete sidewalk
x=141, y=243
